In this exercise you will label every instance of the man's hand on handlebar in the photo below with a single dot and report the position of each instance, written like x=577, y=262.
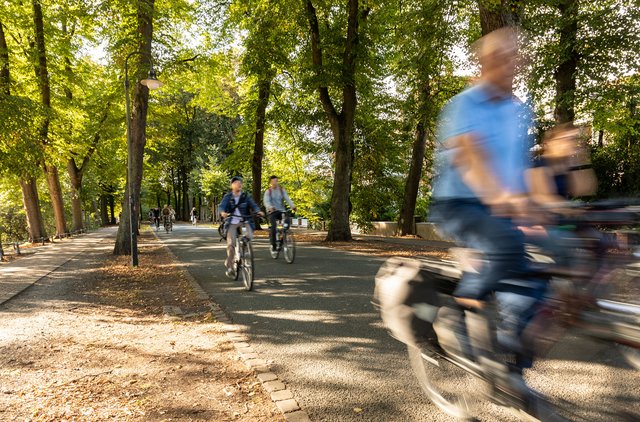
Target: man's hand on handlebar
x=224, y=214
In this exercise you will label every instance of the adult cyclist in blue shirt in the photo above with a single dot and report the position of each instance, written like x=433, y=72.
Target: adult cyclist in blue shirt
x=481, y=162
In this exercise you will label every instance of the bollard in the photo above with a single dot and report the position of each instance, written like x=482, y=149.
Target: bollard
x=16, y=246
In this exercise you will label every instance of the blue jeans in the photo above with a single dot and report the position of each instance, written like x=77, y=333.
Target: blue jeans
x=471, y=224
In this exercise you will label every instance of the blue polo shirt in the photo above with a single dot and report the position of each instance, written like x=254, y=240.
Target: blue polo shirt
x=499, y=126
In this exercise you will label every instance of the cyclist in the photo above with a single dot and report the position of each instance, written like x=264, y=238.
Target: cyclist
x=274, y=199
x=235, y=205
x=156, y=217
x=480, y=185
x=167, y=214
x=194, y=216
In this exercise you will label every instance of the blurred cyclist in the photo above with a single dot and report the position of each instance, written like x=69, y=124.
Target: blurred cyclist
x=480, y=185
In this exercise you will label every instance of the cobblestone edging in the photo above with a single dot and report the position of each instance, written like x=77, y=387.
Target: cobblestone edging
x=280, y=395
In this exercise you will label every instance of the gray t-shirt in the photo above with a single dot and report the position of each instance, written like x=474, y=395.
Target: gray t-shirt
x=275, y=198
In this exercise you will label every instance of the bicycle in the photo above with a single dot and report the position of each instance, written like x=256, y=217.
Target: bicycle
x=284, y=239
x=243, y=261
x=416, y=303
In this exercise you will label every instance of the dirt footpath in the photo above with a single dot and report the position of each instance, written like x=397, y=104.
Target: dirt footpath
x=92, y=342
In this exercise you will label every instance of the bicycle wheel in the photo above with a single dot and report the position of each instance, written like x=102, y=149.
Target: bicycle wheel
x=451, y=388
x=289, y=245
x=238, y=261
x=247, y=265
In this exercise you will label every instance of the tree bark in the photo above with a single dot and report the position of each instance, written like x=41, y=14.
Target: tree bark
x=112, y=208
x=31, y=201
x=42, y=74
x=342, y=124
x=264, y=91
x=565, y=73
x=5, y=76
x=104, y=211
x=412, y=184
x=138, y=126
x=496, y=15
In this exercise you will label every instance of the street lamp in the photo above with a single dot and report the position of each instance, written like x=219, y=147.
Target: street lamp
x=152, y=83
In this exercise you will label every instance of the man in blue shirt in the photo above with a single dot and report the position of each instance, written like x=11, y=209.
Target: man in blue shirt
x=480, y=167
x=237, y=206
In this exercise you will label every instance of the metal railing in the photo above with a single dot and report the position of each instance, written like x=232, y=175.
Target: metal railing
x=15, y=246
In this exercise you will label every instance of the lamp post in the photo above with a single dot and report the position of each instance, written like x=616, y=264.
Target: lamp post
x=152, y=83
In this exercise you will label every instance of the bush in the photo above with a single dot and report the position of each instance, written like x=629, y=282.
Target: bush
x=13, y=224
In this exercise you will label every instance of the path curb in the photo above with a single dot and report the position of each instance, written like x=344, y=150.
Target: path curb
x=281, y=396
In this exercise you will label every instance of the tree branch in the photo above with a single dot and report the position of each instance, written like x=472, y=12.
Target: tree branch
x=316, y=55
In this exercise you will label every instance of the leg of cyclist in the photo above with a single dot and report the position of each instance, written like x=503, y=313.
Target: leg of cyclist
x=503, y=272
x=273, y=224
x=232, y=234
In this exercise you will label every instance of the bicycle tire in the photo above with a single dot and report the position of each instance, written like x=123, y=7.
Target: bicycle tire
x=289, y=247
x=449, y=387
x=247, y=265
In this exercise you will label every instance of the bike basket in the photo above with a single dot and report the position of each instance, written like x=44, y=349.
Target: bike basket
x=408, y=294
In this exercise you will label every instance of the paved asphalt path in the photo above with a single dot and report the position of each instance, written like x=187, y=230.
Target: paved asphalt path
x=315, y=321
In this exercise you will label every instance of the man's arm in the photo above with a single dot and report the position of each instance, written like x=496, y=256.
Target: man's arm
x=224, y=205
x=470, y=161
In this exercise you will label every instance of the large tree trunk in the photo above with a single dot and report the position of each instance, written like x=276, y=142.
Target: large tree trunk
x=112, y=208
x=342, y=124
x=31, y=202
x=565, y=74
x=5, y=76
x=42, y=73
x=104, y=211
x=138, y=127
x=412, y=184
x=75, y=176
x=264, y=91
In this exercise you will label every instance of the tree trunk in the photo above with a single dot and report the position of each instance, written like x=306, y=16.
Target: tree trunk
x=104, y=211
x=185, y=197
x=42, y=74
x=138, y=127
x=112, y=208
x=31, y=202
x=406, y=223
x=75, y=176
x=5, y=76
x=565, y=74
x=342, y=124
x=264, y=91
